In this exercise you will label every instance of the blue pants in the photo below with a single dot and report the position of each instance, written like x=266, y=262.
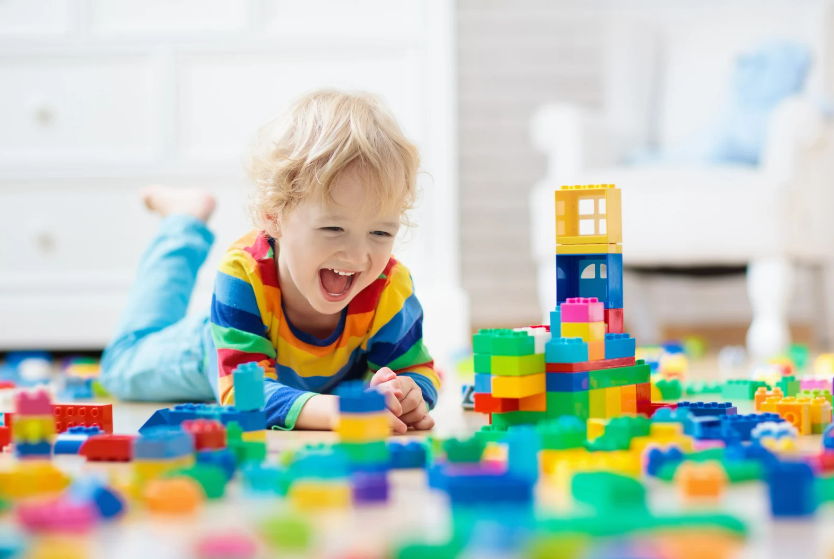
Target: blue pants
x=159, y=353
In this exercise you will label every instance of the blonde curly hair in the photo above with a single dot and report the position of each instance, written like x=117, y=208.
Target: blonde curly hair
x=303, y=151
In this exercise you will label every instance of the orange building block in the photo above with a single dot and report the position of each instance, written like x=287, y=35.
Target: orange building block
x=179, y=495
x=797, y=412
x=762, y=394
x=629, y=398
x=537, y=402
x=596, y=350
x=701, y=480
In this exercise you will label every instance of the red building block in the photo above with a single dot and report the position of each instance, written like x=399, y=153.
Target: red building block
x=486, y=403
x=87, y=415
x=644, y=398
x=614, y=321
x=589, y=365
x=108, y=448
x=6, y=384
x=208, y=434
x=5, y=436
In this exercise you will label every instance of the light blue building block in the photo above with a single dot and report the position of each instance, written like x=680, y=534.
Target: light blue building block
x=249, y=387
x=618, y=346
x=566, y=350
x=556, y=321
x=483, y=383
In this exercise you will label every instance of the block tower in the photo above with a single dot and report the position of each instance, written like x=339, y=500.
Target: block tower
x=585, y=365
x=33, y=427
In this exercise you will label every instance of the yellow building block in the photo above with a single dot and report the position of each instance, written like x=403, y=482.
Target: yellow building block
x=588, y=331
x=589, y=249
x=30, y=479
x=820, y=411
x=146, y=470
x=797, y=412
x=629, y=401
x=313, y=494
x=596, y=427
x=536, y=402
x=613, y=401
x=518, y=387
x=550, y=459
x=258, y=436
x=596, y=403
x=33, y=428
x=363, y=427
x=588, y=215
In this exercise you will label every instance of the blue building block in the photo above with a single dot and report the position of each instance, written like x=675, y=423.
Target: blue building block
x=679, y=415
x=407, y=455
x=264, y=480
x=791, y=486
x=70, y=441
x=483, y=383
x=709, y=408
x=707, y=427
x=77, y=388
x=353, y=398
x=556, y=321
x=32, y=450
x=524, y=444
x=828, y=437
x=657, y=458
x=618, y=346
x=567, y=382
x=224, y=458
x=565, y=350
x=159, y=417
x=107, y=502
x=162, y=443
x=488, y=489
x=590, y=275
x=742, y=452
x=742, y=425
x=248, y=420
x=323, y=463
x=183, y=412
x=249, y=387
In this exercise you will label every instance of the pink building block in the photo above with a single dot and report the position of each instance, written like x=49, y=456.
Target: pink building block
x=815, y=384
x=58, y=515
x=223, y=546
x=582, y=309
x=37, y=402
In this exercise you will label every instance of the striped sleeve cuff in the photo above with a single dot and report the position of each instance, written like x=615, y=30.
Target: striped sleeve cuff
x=283, y=404
x=426, y=387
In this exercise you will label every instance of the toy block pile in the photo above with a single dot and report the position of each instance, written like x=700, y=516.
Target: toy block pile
x=810, y=415
x=33, y=428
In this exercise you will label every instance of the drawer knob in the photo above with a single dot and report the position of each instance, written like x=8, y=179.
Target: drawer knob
x=45, y=241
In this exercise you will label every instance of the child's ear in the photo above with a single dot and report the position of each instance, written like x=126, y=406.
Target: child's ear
x=274, y=222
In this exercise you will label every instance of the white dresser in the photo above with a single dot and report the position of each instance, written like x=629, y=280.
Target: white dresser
x=100, y=97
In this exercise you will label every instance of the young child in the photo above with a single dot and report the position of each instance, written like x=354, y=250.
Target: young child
x=312, y=294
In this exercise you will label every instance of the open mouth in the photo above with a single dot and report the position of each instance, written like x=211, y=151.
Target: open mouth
x=336, y=284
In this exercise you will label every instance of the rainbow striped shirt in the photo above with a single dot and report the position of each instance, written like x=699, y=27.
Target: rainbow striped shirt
x=381, y=327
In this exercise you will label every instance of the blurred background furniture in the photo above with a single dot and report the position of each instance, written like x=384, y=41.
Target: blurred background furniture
x=101, y=97
x=666, y=76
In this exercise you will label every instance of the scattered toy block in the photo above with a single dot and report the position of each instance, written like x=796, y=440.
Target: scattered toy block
x=248, y=379
x=207, y=434
x=791, y=486
x=582, y=310
x=108, y=448
x=517, y=365
x=518, y=387
x=701, y=481
x=587, y=331
x=86, y=415
x=614, y=323
x=618, y=346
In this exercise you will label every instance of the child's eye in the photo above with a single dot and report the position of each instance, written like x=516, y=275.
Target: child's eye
x=381, y=233
x=333, y=229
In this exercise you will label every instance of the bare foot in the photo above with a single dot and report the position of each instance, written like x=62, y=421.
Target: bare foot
x=165, y=200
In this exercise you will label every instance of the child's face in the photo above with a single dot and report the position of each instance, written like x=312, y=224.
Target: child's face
x=331, y=250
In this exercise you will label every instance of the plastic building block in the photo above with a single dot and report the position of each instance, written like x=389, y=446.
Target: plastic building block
x=33, y=450
x=578, y=309
x=596, y=350
x=222, y=458
x=468, y=451
x=369, y=488
x=37, y=402
x=210, y=477
x=566, y=350
x=487, y=403
x=658, y=458
x=700, y=481
x=518, y=387
x=587, y=331
x=621, y=376
x=364, y=427
x=483, y=383
x=700, y=388
x=568, y=404
x=488, y=489
x=57, y=516
x=563, y=433
x=789, y=385
x=629, y=398
x=249, y=387
x=708, y=408
x=590, y=249
x=540, y=334
x=556, y=321
x=589, y=365
x=817, y=393
x=614, y=322
x=820, y=415
x=791, y=486
x=606, y=491
x=108, y=448
x=70, y=442
x=33, y=428
x=742, y=425
x=762, y=394
x=353, y=398
x=108, y=503
x=5, y=436
x=590, y=275
x=40, y=477
x=500, y=341
x=411, y=454
x=566, y=382
x=536, y=402
x=360, y=455
x=734, y=390
x=670, y=389
x=179, y=495
x=87, y=415
x=613, y=401
x=288, y=532
x=596, y=403
x=248, y=420
x=517, y=365
x=226, y=545
x=162, y=443
x=482, y=363
x=588, y=214
x=207, y=434
x=505, y=420
x=159, y=417
x=707, y=427
x=311, y=494
x=618, y=346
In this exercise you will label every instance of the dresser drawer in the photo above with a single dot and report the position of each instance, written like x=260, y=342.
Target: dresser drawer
x=66, y=112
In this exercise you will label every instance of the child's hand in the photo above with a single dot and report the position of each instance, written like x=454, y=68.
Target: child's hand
x=385, y=382
x=412, y=408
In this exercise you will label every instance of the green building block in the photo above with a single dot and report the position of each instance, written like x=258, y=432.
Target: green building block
x=741, y=389
x=619, y=376
x=450, y=550
x=555, y=546
x=505, y=420
x=517, y=365
x=490, y=433
x=568, y=403
x=211, y=478
x=605, y=491
x=288, y=532
x=615, y=523
x=248, y=451
x=483, y=363
x=629, y=426
x=608, y=443
x=738, y=471
x=816, y=393
x=699, y=388
x=468, y=451
x=562, y=434
x=800, y=355
x=502, y=341
x=670, y=389
x=789, y=385
x=365, y=453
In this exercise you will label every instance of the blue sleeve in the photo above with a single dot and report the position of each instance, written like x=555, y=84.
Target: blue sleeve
x=283, y=404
